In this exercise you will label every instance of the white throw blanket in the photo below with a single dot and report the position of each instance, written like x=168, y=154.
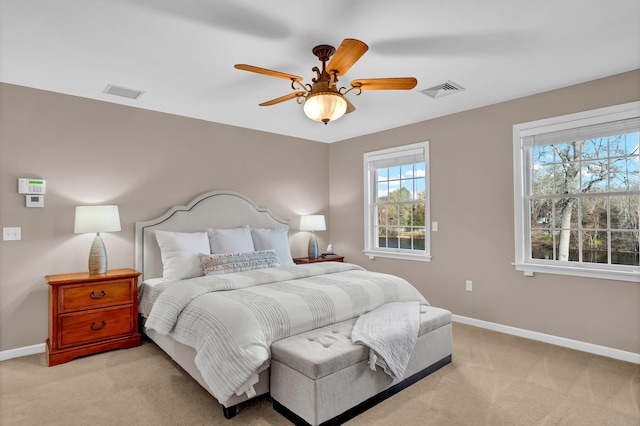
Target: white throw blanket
x=390, y=332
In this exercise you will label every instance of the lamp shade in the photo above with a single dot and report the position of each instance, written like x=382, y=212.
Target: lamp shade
x=91, y=219
x=313, y=222
x=325, y=106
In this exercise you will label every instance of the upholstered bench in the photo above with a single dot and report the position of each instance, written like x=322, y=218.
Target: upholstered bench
x=321, y=377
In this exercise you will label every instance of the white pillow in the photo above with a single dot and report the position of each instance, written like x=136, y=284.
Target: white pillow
x=217, y=264
x=274, y=239
x=180, y=253
x=233, y=240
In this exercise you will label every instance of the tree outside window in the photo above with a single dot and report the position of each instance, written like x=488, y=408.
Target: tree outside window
x=584, y=201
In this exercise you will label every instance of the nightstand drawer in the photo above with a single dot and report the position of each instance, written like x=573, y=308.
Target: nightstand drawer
x=96, y=325
x=96, y=295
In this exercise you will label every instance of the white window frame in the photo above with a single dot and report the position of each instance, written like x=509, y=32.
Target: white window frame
x=523, y=261
x=370, y=185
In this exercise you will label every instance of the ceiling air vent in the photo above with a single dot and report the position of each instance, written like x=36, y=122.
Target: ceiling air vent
x=444, y=89
x=124, y=92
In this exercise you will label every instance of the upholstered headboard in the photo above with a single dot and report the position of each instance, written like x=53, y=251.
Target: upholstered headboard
x=216, y=209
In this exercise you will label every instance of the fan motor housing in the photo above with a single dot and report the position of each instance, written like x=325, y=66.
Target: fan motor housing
x=324, y=52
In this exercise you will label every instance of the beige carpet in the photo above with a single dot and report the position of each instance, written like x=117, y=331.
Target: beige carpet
x=495, y=379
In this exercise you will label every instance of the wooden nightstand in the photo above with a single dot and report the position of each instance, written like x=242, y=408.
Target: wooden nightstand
x=91, y=313
x=301, y=260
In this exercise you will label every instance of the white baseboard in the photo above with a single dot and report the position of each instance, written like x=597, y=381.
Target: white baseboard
x=24, y=351
x=554, y=340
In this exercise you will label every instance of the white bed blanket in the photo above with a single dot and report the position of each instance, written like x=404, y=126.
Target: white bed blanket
x=232, y=320
x=390, y=332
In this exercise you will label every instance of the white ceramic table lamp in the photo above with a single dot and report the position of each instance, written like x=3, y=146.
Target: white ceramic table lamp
x=97, y=219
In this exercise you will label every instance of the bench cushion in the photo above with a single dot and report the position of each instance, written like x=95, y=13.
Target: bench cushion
x=319, y=352
x=325, y=350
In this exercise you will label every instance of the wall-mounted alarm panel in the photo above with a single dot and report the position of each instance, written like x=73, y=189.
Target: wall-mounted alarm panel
x=32, y=186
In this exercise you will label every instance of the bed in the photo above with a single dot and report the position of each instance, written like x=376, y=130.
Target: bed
x=250, y=296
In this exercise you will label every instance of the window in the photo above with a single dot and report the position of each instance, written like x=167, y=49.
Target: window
x=577, y=194
x=396, y=189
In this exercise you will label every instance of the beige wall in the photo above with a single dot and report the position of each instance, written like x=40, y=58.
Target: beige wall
x=472, y=201
x=95, y=152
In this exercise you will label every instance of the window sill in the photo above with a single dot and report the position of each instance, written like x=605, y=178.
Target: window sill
x=372, y=254
x=530, y=268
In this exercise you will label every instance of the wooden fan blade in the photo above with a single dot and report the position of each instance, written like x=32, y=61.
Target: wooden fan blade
x=282, y=98
x=347, y=54
x=400, y=83
x=350, y=107
x=265, y=71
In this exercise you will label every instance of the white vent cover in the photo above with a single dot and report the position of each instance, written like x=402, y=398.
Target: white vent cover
x=122, y=91
x=444, y=89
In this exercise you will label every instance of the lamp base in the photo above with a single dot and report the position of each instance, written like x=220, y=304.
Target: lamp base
x=97, y=257
x=313, y=247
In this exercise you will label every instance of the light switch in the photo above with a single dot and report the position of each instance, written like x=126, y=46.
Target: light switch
x=11, y=233
x=434, y=226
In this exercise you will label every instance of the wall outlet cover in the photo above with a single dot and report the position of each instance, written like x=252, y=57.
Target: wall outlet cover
x=11, y=234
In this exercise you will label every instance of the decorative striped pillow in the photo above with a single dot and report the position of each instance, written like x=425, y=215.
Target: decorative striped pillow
x=217, y=264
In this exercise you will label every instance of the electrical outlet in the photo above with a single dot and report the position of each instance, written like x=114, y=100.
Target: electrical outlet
x=11, y=233
x=469, y=285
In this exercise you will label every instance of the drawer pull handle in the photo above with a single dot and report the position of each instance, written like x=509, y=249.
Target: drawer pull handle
x=98, y=327
x=93, y=295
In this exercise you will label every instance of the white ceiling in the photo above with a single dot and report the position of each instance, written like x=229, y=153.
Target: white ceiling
x=181, y=53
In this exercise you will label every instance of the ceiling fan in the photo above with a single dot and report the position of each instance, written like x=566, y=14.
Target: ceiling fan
x=323, y=100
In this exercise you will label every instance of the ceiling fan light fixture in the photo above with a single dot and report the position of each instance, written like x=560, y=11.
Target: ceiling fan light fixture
x=325, y=106
x=323, y=100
